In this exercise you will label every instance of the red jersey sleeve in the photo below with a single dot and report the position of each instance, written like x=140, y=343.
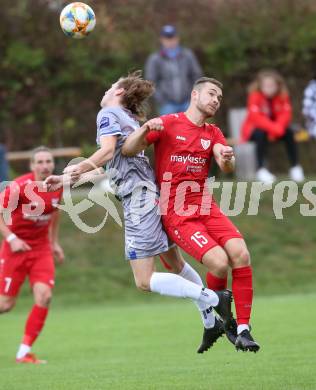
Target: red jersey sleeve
x=219, y=137
x=153, y=136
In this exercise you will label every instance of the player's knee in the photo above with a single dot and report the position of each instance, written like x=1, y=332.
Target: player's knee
x=5, y=307
x=217, y=263
x=143, y=284
x=241, y=258
x=221, y=266
x=44, y=298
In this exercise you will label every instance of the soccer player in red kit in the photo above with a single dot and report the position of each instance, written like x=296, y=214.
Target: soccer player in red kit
x=29, y=226
x=184, y=147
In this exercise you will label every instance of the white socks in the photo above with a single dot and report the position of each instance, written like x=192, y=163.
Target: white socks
x=207, y=315
x=189, y=273
x=23, y=350
x=176, y=286
x=209, y=297
x=242, y=327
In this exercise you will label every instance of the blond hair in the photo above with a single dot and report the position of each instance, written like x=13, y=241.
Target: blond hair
x=255, y=85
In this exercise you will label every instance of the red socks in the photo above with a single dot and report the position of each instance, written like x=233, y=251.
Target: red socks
x=215, y=283
x=243, y=293
x=34, y=324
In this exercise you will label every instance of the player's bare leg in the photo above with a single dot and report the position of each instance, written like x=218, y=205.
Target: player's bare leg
x=36, y=320
x=142, y=271
x=6, y=303
x=213, y=327
x=239, y=258
x=174, y=259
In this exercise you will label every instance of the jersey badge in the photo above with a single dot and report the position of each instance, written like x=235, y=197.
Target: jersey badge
x=132, y=254
x=205, y=143
x=105, y=121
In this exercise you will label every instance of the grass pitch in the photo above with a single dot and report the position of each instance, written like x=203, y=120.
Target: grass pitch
x=153, y=346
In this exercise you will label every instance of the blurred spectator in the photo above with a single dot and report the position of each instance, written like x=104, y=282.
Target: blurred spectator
x=174, y=69
x=268, y=119
x=3, y=163
x=309, y=107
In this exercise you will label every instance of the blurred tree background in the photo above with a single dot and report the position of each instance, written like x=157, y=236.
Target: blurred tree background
x=51, y=85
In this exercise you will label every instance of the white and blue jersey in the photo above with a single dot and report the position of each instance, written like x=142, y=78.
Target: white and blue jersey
x=125, y=172
x=144, y=235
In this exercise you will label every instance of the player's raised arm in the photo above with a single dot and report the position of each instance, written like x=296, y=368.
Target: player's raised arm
x=224, y=156
x=97, y=160
x=137, y=141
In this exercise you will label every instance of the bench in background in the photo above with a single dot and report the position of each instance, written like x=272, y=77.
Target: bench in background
x=59, y=152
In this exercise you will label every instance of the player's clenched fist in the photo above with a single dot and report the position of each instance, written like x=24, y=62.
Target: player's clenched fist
x=227, y=153
x=155, y=124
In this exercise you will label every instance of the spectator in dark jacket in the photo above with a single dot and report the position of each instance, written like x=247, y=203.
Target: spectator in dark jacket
x=174, y=69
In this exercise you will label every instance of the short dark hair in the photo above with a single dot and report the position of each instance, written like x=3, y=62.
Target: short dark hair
x=203, y=80
x=39, y=149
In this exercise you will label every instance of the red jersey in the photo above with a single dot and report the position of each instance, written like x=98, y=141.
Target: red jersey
x=185, y=150
x=31, y=209
x=272, y=116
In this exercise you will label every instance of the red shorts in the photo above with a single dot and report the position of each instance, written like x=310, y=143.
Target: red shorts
x=198, y=234
x=37, y=264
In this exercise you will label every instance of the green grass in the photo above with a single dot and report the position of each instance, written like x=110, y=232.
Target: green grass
x=152, y=346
